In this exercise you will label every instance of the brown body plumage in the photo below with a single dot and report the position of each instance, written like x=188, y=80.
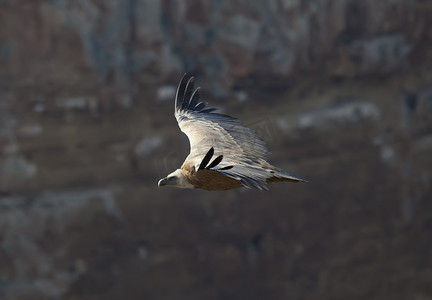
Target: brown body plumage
x=209, y=180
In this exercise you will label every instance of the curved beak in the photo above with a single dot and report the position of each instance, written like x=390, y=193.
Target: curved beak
x=162, y=182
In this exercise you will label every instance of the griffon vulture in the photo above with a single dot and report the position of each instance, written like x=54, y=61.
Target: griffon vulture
x=240, y=155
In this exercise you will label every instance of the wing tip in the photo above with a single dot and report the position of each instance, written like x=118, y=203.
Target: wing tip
x=181, y=89
x=187, y=97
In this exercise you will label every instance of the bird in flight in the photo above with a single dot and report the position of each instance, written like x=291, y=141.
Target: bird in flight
x=224, y=154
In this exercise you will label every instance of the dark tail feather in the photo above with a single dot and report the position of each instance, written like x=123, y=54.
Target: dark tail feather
x=279, y=176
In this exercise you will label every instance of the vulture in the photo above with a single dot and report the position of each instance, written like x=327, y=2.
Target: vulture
x=224, y=154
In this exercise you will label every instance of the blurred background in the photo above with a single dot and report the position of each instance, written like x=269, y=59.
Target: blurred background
x=341, y=91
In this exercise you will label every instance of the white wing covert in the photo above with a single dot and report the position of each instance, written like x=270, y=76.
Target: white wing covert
x=244, y=153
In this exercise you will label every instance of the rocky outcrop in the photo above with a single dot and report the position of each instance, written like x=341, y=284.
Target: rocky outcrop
x=116, y=42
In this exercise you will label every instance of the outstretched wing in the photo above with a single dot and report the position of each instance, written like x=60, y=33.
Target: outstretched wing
x=240, y=146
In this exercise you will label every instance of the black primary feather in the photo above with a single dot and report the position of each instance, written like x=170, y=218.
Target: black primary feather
x=199, y=106
x=179, y=98
x=194, y=99
x=188, y=93
x=216, y=161
x=206, y=159
x=226, y=168
x=187, y=98
x=207, y=110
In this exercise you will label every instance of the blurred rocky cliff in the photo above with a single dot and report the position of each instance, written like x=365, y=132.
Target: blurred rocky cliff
x=341, y=90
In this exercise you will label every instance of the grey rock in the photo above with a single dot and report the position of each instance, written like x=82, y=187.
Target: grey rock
x=351, y=112
x=147, y=146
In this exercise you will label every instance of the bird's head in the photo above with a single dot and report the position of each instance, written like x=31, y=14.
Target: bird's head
x=176, y=178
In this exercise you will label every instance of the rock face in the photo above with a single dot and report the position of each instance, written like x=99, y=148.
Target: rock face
x=340, y=90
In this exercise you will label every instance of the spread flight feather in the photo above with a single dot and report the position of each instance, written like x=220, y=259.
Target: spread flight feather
x=240, y=154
